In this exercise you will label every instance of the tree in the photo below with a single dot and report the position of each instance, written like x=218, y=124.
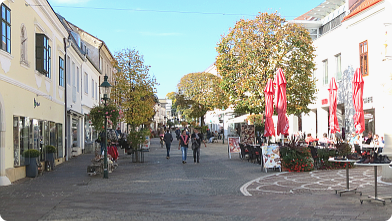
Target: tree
x=134, y=88
x=251, y=53
x=199, y=93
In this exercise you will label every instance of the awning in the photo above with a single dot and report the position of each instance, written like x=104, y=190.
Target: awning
x=240, y=119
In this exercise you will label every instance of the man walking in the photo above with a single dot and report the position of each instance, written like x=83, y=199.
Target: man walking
x=168, y=138
x=197, y=138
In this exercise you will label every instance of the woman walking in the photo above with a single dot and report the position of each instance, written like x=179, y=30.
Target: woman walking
x=197, y=138
x=168, y=138
x=184, y=140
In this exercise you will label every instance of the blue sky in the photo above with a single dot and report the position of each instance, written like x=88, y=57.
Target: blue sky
x=176, y=37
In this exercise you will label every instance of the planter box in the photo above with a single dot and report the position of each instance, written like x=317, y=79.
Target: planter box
x=50, y=159
x=31, y=167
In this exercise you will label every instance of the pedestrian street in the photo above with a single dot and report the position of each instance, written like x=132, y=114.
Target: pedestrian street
x=218, y=188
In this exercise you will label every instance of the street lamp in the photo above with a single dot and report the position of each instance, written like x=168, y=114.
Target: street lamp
x=106, y=90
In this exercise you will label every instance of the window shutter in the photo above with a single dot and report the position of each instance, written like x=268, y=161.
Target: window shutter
x=39, y=52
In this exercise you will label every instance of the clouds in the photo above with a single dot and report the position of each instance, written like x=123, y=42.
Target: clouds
x=69, y=2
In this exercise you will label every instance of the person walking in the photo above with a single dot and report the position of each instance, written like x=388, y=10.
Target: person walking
x=168, y=138
x=184, y=140
x=197, y=138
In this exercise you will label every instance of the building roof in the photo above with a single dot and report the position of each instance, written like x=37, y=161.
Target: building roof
x=321, y=10
x=360, y=6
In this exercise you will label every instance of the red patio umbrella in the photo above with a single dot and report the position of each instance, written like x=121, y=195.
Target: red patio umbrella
x=281, y=103
x=358, y=83
x=333, y=120
x=269, y=109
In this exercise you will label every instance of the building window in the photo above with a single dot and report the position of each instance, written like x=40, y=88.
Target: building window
x=363, y=58
x=43, y=55
x=77, y=79
x=325, y=72
x=338, y=61
x=68, y=69
x=86, y=83
x=23, y=46
x=5, y=28
x=61, y=72
x=96, y=91
x=92, y=88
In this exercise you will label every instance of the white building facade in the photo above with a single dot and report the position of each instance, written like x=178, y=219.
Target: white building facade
x=351, y=34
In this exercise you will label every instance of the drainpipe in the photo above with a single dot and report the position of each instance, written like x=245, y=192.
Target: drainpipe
x=66, y=97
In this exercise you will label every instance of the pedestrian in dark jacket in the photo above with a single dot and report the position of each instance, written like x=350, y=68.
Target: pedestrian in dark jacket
x=197, y=138
x=168, y=138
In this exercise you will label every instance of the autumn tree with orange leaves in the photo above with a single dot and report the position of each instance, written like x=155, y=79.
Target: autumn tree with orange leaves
x=251, y=53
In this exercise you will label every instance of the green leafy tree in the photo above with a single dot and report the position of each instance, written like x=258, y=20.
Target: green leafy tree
x=199, y=93
x=251, y=53
x=134, y=89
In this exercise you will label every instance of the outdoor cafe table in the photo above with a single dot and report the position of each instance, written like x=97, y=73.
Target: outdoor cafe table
x=375, y=197
x=347, y=161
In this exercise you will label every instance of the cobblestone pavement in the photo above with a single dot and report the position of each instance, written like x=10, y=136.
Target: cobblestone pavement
x=315, y=181
x=215, y=189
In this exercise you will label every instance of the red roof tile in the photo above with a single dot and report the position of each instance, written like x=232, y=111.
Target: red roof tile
x=360, y=6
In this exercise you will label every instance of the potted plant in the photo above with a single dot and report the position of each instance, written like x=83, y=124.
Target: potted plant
x=31, y=162
x=49, y=151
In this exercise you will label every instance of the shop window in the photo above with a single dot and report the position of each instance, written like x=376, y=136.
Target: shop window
x=61, y=72
x=59, y=128
x=325, y=72
x=369, y=116
x=5, y=28
x=17, y=152
x=23, y=128
x=338, y=61
x=42, y=54
x=364, y=58
x=75, y=126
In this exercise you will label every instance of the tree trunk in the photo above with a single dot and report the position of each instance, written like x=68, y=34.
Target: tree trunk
x=202, y=121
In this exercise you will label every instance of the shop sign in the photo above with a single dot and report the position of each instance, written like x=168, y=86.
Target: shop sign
x=324, y=101
x=367, y=100
x=36, y=103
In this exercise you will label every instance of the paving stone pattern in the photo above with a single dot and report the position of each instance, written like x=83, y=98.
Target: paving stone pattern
x=161, y=189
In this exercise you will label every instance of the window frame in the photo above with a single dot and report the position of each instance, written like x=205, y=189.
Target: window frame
x=85, y=83
x=92, y=87
x=325, y=72
x=61, y=71
x=46, y=59
x=364, y=54
x=338, y=63
x=4, y=21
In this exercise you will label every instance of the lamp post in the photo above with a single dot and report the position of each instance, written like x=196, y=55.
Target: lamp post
x=106, y=90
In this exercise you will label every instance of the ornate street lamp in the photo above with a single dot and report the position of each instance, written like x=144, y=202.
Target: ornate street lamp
x=106, y=90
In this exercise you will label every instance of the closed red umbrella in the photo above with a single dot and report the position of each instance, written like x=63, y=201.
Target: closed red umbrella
x=281, y=103
x=358, y=83
x=333, y=120
x=269, y=91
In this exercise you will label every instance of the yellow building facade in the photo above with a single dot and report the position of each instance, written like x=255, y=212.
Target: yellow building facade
x=32, y=79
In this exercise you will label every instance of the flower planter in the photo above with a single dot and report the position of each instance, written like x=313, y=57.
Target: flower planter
x=31, y=167
x=50, y=159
